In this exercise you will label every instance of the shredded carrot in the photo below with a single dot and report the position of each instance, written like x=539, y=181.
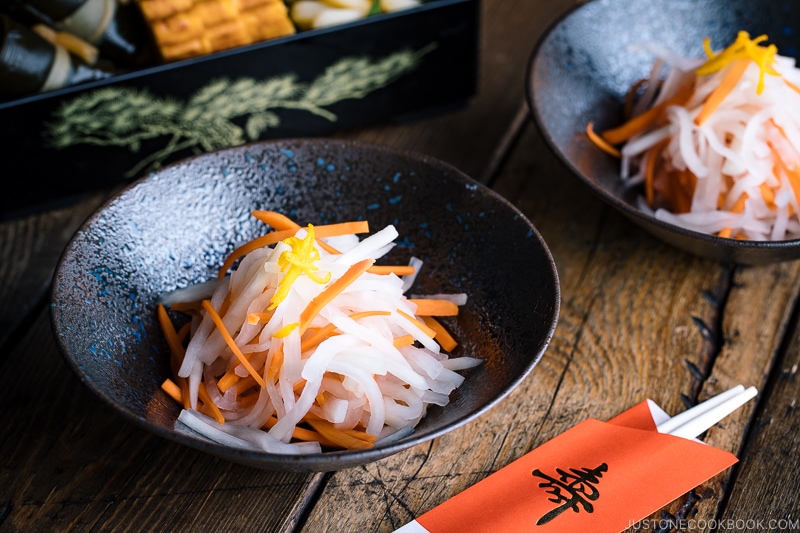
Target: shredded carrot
x=231, y=343
x=327, y=330
x=791, y=85
x=398, y=270
x=434, y=307
x=601, y=142
x=331, y=291
x=277, y=220
x=254, y=244
x=768, y=195
x=301, y=433
x=258, y=318
x=641, y=122
x=172, y=389
x=722, y=90
x=173, y=341
x=440, y=333
x=228, y=380
x=405, y=340
x=349, y=439
x=738, y=207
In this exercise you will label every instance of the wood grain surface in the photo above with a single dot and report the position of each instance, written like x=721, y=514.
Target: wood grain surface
x=638, y=320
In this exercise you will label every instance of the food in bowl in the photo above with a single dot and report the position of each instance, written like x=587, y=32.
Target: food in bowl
x=308, y=345
x=715, y=142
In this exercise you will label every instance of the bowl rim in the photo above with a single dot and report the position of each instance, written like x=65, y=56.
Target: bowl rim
x=328, y=460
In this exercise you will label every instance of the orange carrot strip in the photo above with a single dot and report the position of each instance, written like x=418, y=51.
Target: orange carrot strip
x=254, y=244
x=793, y=175
x=244, y=384
x=600, y=142
x=641, y=122
x=172, y=389
x=227, y=381
x=405, y=340
x=231, y=343
x=256, y=318
x=325, y=331
x=631, y=95
x=398, y=270
x=317, y=337
x=768, y=195
x=275, y=364
x=303, y=434
x=187, y=399
x=738, y=207
x=331, y=291
x=434, y=307
x=248, y=401
x=722, y=90
x=206, y=399
x=279, y=221
x=341, y=228
x=442, y=336
x=351, y=440
x=421, y=325
x=791, y=85
x=176, y=349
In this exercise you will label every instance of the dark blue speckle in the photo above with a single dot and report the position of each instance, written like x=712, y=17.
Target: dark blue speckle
x=373, y=207
x=287, y=152
x=396, y=199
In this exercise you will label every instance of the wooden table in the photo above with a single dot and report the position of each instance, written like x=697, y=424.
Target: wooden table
x=638, y=320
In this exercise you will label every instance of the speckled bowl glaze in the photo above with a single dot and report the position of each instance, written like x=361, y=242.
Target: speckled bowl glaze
x=175, y=227
x=581, y=69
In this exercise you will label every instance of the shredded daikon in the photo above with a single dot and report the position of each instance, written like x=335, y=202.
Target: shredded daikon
x=301, y=348
x=716, y=142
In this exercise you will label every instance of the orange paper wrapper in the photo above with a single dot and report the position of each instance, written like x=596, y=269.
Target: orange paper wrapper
x=597, y=476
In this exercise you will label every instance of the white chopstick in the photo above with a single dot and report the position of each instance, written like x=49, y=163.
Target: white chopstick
x=693, y=422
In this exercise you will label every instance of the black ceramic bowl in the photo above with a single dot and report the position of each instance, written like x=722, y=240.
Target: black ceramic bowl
x=175, y=227
x=581, y=69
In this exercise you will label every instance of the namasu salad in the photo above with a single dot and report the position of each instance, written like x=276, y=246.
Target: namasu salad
x=303, y=344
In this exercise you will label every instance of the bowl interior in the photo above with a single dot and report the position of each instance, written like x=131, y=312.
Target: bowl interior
x=582, y=68
x=175, y=227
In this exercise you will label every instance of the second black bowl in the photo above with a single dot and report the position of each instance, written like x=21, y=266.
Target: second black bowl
x=582, y=68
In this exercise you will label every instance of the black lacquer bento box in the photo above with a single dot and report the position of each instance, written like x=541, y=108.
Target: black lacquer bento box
x=390, y=67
